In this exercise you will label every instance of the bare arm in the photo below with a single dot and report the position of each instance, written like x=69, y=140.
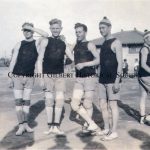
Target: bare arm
x=95, y=62
x=41, y=55
x=69, y=52
x=41, y=32
x=117, y=47
x=14, y=57
x=144, y=53
x=95, y=53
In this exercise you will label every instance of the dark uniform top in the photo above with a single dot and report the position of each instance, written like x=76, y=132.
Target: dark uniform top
x=54, y=56
x=81, y=55
x=26, y=59
x=142, y=72
x=108, y=63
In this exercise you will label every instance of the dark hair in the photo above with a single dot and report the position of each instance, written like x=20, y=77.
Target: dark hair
x=77, y=25
x=27, y=23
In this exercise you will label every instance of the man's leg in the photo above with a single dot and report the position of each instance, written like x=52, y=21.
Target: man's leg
x=75, y=104
x=26, y=107
x=49, y=103
x=59, y=104
x=88, y=105
x=105, y=113
x=103, y=104
x=142, y=104
x=18, y=94
x=115, y=114
x=113, y=98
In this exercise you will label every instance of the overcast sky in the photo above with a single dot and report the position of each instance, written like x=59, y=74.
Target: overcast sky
x=124, y=14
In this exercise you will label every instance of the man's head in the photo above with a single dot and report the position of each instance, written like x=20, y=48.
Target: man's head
x=55, y=27
x=81, y=31
x=27, y=30
x=105, y=27
x=125, y=60
x=147, y=37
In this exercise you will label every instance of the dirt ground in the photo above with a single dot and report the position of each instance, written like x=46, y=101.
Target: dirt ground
x=132, y=135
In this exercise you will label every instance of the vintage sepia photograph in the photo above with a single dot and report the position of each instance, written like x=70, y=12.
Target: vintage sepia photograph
x=75, y=75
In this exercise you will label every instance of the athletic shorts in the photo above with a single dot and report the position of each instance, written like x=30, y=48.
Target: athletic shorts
x=106, y=92
x=145, y=83
x=54, y=84
x=21, y=82
x=85, y=84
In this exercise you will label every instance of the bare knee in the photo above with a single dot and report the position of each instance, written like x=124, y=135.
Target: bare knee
x=88, y=103
x=103, y=104
x=113, y=104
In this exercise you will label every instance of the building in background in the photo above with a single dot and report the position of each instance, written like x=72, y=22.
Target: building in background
x=132, y=42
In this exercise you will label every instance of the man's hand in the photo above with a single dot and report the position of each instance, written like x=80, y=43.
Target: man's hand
x=10, y=83
x=116, y=88
x=80, y=66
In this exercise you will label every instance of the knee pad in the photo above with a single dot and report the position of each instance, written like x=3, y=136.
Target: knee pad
x=75, y=106
x=60, y=95
x=19, y=108
x=77, y=94
x=49, y=95
x=19, y=102
x=27, y=93
x=49, y=102
x=59, y=103
x=26, y=109
x=26, y=102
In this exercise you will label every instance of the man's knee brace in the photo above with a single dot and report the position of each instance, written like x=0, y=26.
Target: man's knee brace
x=49, y=102
x=49, y=99
x=59, y=103
x=27, y=93
x=19, y=102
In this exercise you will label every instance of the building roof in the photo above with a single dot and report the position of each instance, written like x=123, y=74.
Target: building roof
x=126, y=37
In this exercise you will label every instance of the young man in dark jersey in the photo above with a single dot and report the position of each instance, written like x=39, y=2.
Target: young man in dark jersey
x=144, y=74
x=109, y=79
x=51, y=65
x=86, y=58
x=21, y=68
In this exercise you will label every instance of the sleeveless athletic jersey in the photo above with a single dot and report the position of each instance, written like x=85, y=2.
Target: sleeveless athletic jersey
x=142, y=72
x=54, y=56
x=108, y=63
x=26, y=59
x=81, y=55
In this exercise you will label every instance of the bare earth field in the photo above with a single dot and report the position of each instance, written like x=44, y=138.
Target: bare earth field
x=132, y=135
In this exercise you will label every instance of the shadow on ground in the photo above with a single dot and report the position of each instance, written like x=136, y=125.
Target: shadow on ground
x=129, y=110
x=132, y=112
x=142, y=136
x=61, y=143
x=11, y=141
x=91, y=144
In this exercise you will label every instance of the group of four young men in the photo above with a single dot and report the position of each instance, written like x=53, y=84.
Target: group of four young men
x=49, y=53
